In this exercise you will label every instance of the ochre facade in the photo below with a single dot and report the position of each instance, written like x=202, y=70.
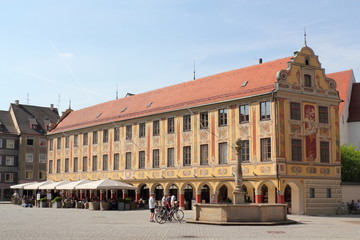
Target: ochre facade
x=291, y=131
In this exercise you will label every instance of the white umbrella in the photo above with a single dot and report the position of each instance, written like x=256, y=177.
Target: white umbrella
x=72, y=185
x=36, y=186
x=22, y=185
x=105, y=184
x=53, y=185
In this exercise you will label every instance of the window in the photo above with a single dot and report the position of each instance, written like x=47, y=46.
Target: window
x=29, y=158
x=307, y=80
x=204, y=120
x=204, y=154
x=222, y=153
x=76, y=165
x=171, y=125
x=156, y=128
x=10, y=143
x=312, y=193
x=67, y=142
x=223, y=117
x=42, y=175
x=42, y=142
x=324, y=152
x=58, y=143
x=328, y=192
x=84, y=164
x=245, y=151
x=156, y=158
x=116, y=161
x=105, y=163
x=265, y=110
x=116, y=134
x=142, y=130
x=85, y=139
x=187, y=123
x=1, y=143
x=76, y=140
x=42, y=158
x=9, y=177
x=187, y=156
x=50, y=166
x=128, y=132
x=9, y=160
x=170, y=157
x=30, y=142
x=265, y=149
x=128, y=160
x=58, y=162
x=323, y=115
x=105, y=135
x=295, y=112
x=28, y=174
x=244, y=113
x=141, y=159
x=94, y=163
x=0, y=162
x=51, y=145
x=95, y=137
x=66, y=165
x=296, y=149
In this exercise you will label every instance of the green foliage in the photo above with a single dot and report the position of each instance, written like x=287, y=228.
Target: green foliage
x=57, y=199
x=350, y=164
x=127, y=200
x=44, y=199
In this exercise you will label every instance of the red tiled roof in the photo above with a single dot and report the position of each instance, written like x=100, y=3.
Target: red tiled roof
x=343, y=82
x=211, y=89
x=354, y=113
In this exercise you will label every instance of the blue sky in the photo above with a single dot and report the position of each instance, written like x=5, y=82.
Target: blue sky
x=81, y=50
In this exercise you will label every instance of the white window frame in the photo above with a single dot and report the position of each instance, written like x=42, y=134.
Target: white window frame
x=29, y=158
x=30, y=172
x=11, y=175
x=9, y=158
x=10, y=143
x=42, y=156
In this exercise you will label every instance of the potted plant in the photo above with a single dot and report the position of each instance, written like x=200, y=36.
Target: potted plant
x=43, y=202
x=121, y=204
x=127, y=203
x=56, y=202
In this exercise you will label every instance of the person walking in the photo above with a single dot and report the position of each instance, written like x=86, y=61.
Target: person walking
x=152, y=207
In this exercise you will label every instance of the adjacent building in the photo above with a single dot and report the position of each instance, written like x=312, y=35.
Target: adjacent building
x=181, y=138
x=23, y=144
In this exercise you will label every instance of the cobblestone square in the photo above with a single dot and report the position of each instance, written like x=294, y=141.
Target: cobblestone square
x=18, y=223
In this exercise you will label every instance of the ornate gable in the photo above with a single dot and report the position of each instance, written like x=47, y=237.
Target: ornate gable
x=304, y=74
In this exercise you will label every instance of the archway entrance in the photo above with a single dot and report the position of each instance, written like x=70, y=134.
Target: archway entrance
x=173, y=190
x=188, y=197
x=264, y=194
x=287, y=198
x=223, y=194
x=205, y=194
x=159, y=192
x=144, y=192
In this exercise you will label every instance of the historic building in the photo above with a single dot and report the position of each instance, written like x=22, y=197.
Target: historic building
x=181, y=138
x=23, y=144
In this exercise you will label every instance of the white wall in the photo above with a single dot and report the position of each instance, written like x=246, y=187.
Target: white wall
x=354, y=134
x=344, y=125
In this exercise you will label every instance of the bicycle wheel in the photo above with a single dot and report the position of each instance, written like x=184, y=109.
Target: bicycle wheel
x=160, y=217
x=178, y=215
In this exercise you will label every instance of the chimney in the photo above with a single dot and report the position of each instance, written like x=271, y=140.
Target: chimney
x=16, y=102
x=260, y=60
x=51, y=106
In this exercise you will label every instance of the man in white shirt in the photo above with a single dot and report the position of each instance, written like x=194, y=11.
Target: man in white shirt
x=173, y=199
x=152, y=207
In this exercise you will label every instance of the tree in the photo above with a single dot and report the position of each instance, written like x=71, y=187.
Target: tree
x=350, y=164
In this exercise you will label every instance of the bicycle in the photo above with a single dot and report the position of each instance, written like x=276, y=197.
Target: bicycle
x=163, y=214
x=342, y=209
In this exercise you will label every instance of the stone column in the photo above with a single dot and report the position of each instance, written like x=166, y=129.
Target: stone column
x=181, y=200
x=125, y=194
x=112, y=194
x=258, y=197
x=101, y=195
x=280, y=197
x=137, y=196
x=239, y=194
x=198, y=197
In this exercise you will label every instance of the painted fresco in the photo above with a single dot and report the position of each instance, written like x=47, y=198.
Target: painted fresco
x=310, y=132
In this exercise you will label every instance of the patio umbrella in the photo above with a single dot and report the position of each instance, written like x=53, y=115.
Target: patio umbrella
x=22, y=185
x=105, y=184
x=36, y=186
x=53, y=185
x=71, y=185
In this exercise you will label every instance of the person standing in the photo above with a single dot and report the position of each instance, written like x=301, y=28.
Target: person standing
x=173, y=199
x=152, y=207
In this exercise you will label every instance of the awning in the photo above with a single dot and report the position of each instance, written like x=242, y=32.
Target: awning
x=53, y=185
x=106, y=184
x=72, y=185
x=22, y=185
x=36, y=186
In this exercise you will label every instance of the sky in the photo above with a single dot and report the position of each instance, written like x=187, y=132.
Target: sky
x=54, y=52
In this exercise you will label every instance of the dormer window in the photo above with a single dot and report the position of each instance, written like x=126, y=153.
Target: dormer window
x=307, y=80
x=33, y=123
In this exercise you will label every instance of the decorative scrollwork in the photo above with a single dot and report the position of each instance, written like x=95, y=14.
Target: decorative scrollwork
x=281, y=76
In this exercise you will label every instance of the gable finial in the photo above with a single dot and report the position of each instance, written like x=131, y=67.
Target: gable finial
x=305, y=37
x=194, y=70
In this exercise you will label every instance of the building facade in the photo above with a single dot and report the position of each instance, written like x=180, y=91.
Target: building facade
x=23, y=144
x=181, y=139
